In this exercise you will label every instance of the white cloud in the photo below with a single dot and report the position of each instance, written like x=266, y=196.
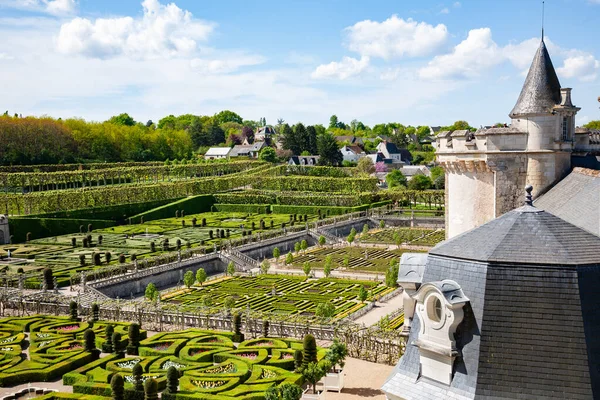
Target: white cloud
x=456, y=4
x=583, y=67
x=344, y=69
x=226, y=63
x=6, y=57
x=54, y=7
x=468, y=59
x=445, y=11
x=395, y=37
x=163, y=31
x=392, y=74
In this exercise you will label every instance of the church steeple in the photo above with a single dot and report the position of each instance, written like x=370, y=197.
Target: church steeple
x=541, y=91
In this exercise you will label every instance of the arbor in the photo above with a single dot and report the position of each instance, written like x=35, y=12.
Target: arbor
x=395, y=179
x=268, y=154
x=188, y=279
x=365, y=165
x=151, y=292
x=329, y=153
x=201, y=276
x=420, y=182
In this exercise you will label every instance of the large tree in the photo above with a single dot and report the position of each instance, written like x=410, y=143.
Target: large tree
x=328, y=150
x=122, y=119
x=290, y=141
x=311, y=139
x=227, y=116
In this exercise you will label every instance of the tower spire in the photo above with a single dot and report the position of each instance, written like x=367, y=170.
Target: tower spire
x=543, y=7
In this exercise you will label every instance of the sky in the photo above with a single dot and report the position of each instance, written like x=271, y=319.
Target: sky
x=414, y=62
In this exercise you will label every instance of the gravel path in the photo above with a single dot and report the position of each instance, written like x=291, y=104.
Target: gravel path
x=380, y=310
x=363, y=380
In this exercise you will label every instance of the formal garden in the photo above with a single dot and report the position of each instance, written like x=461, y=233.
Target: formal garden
x=292, y=297
x=123, y=361
x=400, y=236
x=347, y=259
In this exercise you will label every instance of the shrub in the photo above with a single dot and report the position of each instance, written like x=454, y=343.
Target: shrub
x=134, y=339
x=95, y=312
x=265, y=266
x=116, y=340
x=229, y=302
x=337, y=353
x=150, y=389
x=89, y=340
x=309, y=350
x=73, y=310
x=48, y=278
x=107, y=346
x=298, y=360
x=151, y=293
x=74, y=242
x=97, y=260
x=322, y=240
x=107, y=257
x=137, y=373
x=231, y=268
x=237, y=328
x=201, y=276
x=122, y=258
x=306, y=268
x=285, y=391
x=265, y=328
x=289, y=258
x=276, y=253
x=313, y=372
x=362, y=294
x=325, y=310
x=188, y=279
x=117, y=386
x=172, y=380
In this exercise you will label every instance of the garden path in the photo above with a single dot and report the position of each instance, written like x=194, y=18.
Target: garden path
x=363, y=380
x=380, y=310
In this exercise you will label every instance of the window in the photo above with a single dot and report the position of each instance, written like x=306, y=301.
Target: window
x=565, y=129
x=434, y=311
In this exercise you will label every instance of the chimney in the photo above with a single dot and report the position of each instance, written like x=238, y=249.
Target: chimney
x=565, y=94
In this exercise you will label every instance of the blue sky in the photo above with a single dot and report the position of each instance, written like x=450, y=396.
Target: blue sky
x=426, y=62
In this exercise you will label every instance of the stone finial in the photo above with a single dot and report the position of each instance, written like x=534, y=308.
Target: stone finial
x=529, y=197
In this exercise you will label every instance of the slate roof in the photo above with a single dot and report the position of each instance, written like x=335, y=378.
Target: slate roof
x=576, y=199
x=239, y=150
x=541, y=91
x=543, y=238
x=530, y=329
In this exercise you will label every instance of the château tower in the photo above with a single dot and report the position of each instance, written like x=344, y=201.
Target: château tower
x=487, y=170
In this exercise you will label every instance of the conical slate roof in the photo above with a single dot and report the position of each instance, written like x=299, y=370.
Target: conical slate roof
x=526, y=235
x=541, y=91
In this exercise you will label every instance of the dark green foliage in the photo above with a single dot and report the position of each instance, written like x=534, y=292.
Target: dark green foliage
x=89, y=339
x=328, y=150
x=95, y=312
x=150, y=389
x=73, y=310
x=172, y=380
x=82, y=258
x=97, y=260
x=116, y=342
x=122, y=258
x=237, y=328
x=48, y=278
x=137, y=373
x=298, y=360
x=134, y=339
x=309, y=352
x=107, y=257
x=265, y=328
x=285, y=391
x=107, y=346
x=117, y=386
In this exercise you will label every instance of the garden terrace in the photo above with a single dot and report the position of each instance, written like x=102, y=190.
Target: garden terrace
x=137, y=240
x=72, y=179
x=410, y=236
x=359, y=259
x=279, y=295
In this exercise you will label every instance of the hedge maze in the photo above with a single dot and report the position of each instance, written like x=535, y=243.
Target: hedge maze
x=359, y=259
x=413, y=236
x=278, y=294
x=209, y=364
